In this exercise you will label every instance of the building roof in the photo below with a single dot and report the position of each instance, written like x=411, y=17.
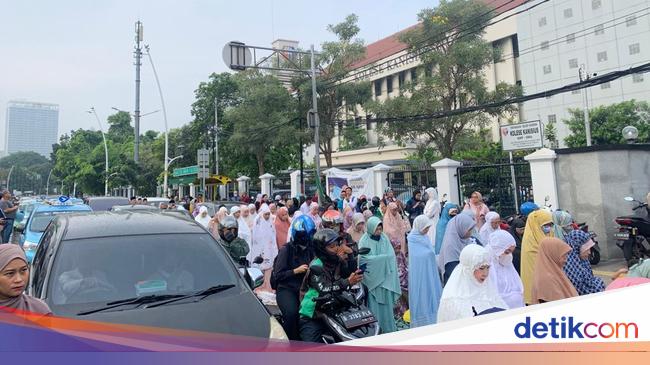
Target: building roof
x=391, y=45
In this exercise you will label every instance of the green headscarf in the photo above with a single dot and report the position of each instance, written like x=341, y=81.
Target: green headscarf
x=562, y=224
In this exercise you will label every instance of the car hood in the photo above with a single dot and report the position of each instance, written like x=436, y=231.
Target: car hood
x=234, y=311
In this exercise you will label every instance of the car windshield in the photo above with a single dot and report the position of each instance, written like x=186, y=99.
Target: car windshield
x=40, y=220
x=102, y=270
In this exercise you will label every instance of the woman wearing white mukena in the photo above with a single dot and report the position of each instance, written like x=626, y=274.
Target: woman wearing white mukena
x=469, y=289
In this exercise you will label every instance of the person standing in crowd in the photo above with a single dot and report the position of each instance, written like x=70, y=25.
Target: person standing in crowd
x=432, y=211
x=478, y=207
x=289, y=271
x=243, y=231
x=424, y=286
x=577, y=267
x=203, y=218
x=396, y=227
x=415, y=206
x=304, y=207
x=449, y=211
x=349, y=200
x=228, y=237
x=550, y=283
x=381, y=276
x=282, y=224
x=9, y=210
x=375, y=208
x=264, y=244
x=562, y=224
x=469, y=290
x=348, y=213
x=538, y=226
x=492, y=224
x=457, y=235
x=314, y=214
x=358, y=227
x=502, y=271
x=14, y=277
x=517, y=231
x=367, y=214
x=252, y=213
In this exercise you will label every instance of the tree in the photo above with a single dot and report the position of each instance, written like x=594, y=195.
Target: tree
x=353, y=137
x=550, y=132
x=30, y=171
x=262, y=118
x=337, y=101
x=458, y=56
x=607, y=123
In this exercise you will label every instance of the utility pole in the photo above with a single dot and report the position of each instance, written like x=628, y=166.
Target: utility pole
x=300, y=151
x=584, y=76
x=94, y=112
x=314, y=97
x=216, y=138
x=138, y=63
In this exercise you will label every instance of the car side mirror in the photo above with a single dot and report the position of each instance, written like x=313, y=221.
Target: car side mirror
x=256, y=277
x=364, y=251
x=628, y=199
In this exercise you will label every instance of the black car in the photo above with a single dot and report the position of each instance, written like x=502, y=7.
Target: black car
x=105, y=203
x=148, y=269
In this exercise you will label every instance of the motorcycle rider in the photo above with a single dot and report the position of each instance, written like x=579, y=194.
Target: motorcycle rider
x=330, y=256
x=333, y=219
x=236, y=247
x=289, y=270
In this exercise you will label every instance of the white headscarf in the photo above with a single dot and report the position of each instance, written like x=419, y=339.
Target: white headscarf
x=243, y=231
x=487, y=230
x=502, y=271
x=420, y=223
x=203, y=219
x=432, y=211
x=234, y=210
x=463, y=293
x=264, y=239
x=250, y=220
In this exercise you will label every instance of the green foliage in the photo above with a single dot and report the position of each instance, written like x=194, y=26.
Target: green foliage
x=607, y=123
x=550, y=133
x=458, y=81
x=354, y=137
x=30, y=171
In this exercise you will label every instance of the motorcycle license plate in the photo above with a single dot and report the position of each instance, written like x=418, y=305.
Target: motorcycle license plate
x=356, y=319
x=621, y=235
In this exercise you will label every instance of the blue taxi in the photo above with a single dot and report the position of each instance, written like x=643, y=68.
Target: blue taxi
x=41, y=217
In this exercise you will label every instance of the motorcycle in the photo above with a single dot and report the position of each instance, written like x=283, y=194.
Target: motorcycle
x=633, y=235
x=345, y=314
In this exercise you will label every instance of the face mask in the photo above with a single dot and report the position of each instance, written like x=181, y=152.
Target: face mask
x=546, y=229
x=505, y=260
x=375, y=237
x=229, y=236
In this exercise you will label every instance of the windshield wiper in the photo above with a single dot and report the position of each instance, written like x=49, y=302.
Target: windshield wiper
x=201, y=293
x=135, y=300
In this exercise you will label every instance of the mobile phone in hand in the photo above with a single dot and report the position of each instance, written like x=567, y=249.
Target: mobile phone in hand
x=363, y=267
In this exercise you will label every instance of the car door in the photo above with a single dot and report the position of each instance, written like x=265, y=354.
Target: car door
x=41, y=261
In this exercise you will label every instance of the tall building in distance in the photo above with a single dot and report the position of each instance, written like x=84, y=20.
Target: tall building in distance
x=31, y=126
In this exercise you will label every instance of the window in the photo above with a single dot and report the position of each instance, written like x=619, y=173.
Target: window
x=389, y=84
x=552, y=118
x=606, y=85
x=414, y=74
x=602, y=56
x=635, y=48
x=573, y=63
x=630, y=20
x=542, y=21
x=596, y=4
x=515, y=46
x=378, y=87
x=547, y=69
x=568, y=13
x=402, y=79
x=544, y=45
x=637, y=78
x=571, y=38
x=599, y=29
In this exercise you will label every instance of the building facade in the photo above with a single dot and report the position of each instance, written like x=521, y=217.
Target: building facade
x=31, y=126
x=560, y=38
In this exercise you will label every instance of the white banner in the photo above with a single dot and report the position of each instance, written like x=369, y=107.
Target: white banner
x=523, y=136
x=361, y=182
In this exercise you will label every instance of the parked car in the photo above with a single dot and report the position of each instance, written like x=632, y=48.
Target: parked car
x=119, y=208
x=150, y=269
x=105, y=203
x=38, y=221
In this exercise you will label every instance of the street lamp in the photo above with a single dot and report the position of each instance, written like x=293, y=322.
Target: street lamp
x=141, y=115
x=630, y=133
x=47, y=185
x=9, y=177
x=94, y=112
x=168, y=162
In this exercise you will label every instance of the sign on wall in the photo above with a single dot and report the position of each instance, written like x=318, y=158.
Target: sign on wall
x=361, y=182
x=522, y=136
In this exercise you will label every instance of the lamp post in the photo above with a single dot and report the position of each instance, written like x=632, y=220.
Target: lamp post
x=94, y=112
x=47, y=184
x=169, y=162
x=9, y=177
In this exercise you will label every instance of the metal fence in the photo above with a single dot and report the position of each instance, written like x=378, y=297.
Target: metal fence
x=494, y=182
x=404, y=180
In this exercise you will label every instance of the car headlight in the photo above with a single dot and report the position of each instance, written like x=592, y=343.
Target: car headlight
x=30, y=246
x=276, y=332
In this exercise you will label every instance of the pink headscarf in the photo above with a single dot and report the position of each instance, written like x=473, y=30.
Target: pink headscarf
x=282, y=227
x=23, y=302
x=395, y=227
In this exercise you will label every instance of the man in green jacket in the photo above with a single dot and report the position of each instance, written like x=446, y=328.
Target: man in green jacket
x=235, y=246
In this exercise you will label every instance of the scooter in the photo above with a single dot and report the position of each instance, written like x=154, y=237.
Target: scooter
x=633, y=235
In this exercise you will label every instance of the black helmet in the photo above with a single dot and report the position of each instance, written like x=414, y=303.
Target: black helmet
x=228, y=228
x=376, y=201
x=322, y=239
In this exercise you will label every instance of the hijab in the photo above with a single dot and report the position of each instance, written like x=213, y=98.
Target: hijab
x=479, y=209
x=367, y=214
x=454, y=241
x=432, y=208
x=282, y=227
x=517, y=223
x=562, y=224
x=549, y=281
x=243, y=230
x=250, y=219
x=420, y=223
x=487, y=229
x=463, y=293
x=502, y=271
x=357, y=218
x=264, y=239
x=579, y=270
x=203, y=218
x=348, y=212
x=395, y=227
x=23, y=302
x=441, y=227
x=315, y=217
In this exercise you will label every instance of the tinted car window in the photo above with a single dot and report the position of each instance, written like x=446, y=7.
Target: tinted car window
x=114, y=268
x=99, y=205
x=40, y=220
x=39, y=264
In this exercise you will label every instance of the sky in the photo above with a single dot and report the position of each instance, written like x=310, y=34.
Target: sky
x=79, y=53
